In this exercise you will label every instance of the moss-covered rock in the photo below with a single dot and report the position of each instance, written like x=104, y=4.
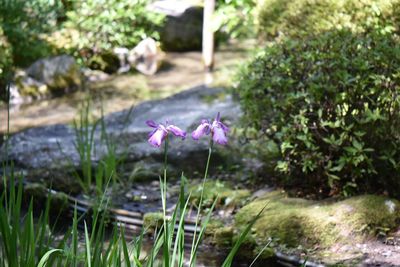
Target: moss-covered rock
x=319, y=225
x=58, y=73
x=58, y=202
x=153, y=221
x=105, y=61
x=223, y=236
x=213, y=189
x=212, y=226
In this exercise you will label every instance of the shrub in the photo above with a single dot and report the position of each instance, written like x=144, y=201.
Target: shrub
x=234, y=18
x=296, y=17
x=24, y=22
x=5, y=63
x=332, y=105
x=106, y=24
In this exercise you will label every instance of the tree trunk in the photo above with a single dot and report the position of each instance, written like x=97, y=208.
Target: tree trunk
x=208, y=34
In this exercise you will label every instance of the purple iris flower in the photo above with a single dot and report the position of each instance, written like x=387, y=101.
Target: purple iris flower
x=217, y=129
x=158, y=135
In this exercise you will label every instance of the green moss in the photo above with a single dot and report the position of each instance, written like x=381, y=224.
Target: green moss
x=39, y=193
x=226, y=195
x=106, y=61
x=153, y=220
x=368, y=214
x=223, y=236
x=212, y=226
x=296, y=222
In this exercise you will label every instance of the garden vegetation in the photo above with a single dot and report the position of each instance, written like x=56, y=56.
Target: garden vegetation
x=327, y=94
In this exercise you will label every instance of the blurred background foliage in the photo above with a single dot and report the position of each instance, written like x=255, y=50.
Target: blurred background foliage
x=30, y=30
x=114, y=23
x=294, y=18
x=235, y=18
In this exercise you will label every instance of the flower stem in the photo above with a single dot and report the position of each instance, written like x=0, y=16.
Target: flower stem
x=164, y=206
x=192, y=256
x=208, y=160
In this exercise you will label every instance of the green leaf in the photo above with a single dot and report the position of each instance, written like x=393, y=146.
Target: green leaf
x=229, y=259
x=46, y=256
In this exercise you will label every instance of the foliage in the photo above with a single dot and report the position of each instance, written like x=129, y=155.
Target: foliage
x=22, y=243
x=85, y=134
x=30, y=242
x=24, y=22
x=234, y=18
x=103, y=25
x=297, y=17
x=6, y=63
x=332, y=105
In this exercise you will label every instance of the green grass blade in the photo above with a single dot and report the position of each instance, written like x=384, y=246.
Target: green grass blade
x=200, y=236
x=260, y=253
x=229, y=259
x=46, y=256
x=125, y=249
x=88, y=254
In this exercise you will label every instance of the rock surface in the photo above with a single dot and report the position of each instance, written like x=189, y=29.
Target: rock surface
x=336, y=232
x=49, y=152
x=59, y=72
x=44, y=78
x=183, y=27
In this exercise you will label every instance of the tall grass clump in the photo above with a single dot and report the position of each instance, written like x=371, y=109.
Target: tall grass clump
x=85, y=145
x=25, y=239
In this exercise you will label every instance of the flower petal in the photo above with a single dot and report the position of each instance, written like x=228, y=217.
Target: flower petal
x=176, y=131
x=218, y=118
x=152, y=132
x=202, y=129
x=224, y=127
x=152, y=123
x=219, y=124
x=157, y=137
x=219, y=136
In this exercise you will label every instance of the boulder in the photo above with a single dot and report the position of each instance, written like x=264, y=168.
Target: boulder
x=25, y=88
x=48, y=153
x=57, y=73
x=322, y=227
x=182, y=30
x=146, y=57
x=106, y=61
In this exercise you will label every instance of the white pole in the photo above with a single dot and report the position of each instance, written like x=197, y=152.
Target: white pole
x=208, y=35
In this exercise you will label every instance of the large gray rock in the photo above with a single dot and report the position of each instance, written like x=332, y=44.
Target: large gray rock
x=59, y=72
x=49, y=152
x=183, y=26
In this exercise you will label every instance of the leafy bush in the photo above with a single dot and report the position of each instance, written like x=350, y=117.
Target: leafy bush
x=296, y=17
x=23, y=23
x=332, y=105
x=234, y=18
x=5, y=62
x=107, y=24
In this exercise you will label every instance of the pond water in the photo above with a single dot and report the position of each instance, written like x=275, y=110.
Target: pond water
x=208, y=256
